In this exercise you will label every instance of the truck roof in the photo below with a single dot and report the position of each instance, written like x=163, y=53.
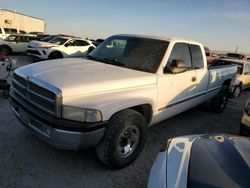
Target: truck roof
x=169, y=39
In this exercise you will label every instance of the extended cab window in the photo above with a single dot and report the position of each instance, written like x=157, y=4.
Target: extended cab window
x=197, y=57
x=180, y=51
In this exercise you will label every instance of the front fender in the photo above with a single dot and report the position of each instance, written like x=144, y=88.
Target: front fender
x=111, y=102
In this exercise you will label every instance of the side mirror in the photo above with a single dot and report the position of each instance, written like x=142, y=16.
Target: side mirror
x=177, y=66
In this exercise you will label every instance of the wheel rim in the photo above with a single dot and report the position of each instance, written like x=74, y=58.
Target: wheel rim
x=237, y=91
x=128, y=141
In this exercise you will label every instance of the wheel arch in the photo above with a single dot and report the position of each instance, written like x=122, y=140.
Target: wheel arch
x=145, y=109
x=55, y=51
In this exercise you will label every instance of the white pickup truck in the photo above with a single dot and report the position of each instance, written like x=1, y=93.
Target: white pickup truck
x=108, y=99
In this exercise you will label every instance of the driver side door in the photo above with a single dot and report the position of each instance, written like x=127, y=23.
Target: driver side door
x=176, y=91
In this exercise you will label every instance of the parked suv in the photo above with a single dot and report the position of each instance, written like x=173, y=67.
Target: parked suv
x=16, y=43
x=5, y=32
x=59, y=47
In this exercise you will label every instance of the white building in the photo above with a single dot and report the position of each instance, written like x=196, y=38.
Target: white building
x=12, y=19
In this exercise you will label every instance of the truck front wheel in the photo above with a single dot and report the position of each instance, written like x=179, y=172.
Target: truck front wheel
x=219, y=102
x=124, y=139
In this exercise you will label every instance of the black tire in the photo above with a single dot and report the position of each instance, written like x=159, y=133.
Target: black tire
x=109, y=149
x=6, y=49
x=219, y=102
x=237, y=91
x=55, y=55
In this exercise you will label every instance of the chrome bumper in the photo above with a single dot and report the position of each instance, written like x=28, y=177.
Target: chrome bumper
x=59, y=138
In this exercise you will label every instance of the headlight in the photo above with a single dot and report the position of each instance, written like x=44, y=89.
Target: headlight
x=81, y=114
x=247, y=107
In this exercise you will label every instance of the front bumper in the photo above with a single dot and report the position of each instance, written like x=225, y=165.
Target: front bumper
x=38, y=54
x=245, y=125
x=60, y=133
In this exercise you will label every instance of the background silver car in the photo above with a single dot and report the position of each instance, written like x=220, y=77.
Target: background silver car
x=203, y=161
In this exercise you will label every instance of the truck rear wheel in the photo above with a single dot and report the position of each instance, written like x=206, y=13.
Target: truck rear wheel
x=124, y=139
x=219, y=102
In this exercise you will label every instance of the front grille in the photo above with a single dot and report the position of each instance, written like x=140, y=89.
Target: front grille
x=42, y=91
x=20, y=89
x=33, y=52
x=36, y=95
x=19, y=79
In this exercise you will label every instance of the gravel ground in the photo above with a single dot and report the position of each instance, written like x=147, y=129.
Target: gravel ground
x=28, y=162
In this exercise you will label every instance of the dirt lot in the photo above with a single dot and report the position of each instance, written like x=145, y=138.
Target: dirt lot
x=28, y=162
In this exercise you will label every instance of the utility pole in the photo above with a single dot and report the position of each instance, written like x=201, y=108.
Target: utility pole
x=236, y=50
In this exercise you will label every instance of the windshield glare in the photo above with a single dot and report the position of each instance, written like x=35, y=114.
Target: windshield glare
x=58, y=41
x=131, y=52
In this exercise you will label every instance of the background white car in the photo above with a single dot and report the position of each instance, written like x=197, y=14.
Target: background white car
x=16, y=43
x=59, y=47
x=5, y=32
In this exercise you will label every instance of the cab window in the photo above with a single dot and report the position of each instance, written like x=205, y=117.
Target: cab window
x=180, y=51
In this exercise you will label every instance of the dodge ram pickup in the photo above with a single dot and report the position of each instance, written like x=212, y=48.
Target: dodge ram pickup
x=109, y=98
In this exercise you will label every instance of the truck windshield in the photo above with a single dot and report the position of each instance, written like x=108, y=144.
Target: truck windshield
x=136, y=53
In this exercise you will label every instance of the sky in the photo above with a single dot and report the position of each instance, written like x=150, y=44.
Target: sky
x=218, y=24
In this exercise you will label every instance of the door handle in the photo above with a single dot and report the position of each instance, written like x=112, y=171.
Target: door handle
x=193, y=79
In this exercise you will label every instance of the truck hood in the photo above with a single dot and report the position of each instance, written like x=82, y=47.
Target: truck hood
x=78, y=76
x=40, y=44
